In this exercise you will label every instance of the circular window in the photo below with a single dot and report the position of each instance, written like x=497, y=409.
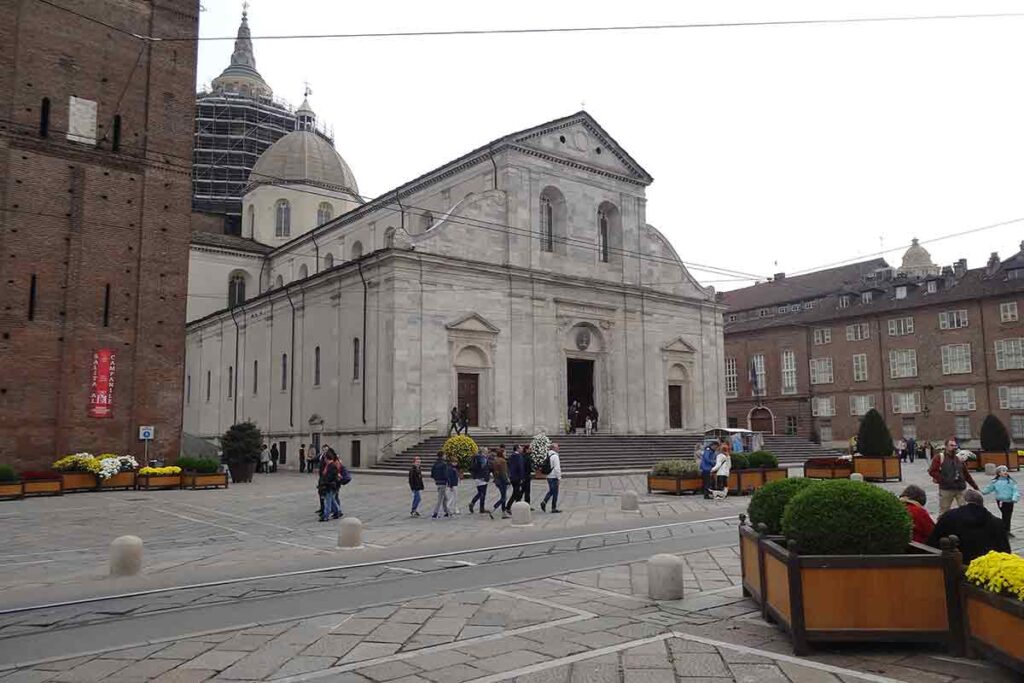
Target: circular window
x=598, y=150
x=561, y=138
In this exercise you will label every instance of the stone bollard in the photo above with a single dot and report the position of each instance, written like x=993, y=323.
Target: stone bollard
x=125, y=556
x=665, y=577
x=521, y=514
x=856, y=476
x=990, y=469
x=350, y=533
x=630, y=502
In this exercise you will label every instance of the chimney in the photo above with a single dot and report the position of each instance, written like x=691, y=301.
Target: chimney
x=993, y=263
x=960, y=267
x=779, y=277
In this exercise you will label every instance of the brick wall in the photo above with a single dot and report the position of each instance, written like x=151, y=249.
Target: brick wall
x=82, y=217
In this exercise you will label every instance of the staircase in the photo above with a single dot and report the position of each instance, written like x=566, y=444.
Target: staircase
x=602, y=452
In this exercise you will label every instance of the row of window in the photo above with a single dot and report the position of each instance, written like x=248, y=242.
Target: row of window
x=356, y=365
x=283, y=217
x=903, y=402
x=553, y=219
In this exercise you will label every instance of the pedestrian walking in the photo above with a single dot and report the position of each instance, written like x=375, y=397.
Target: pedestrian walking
x=1007, y=493
x=313, y=459
x=480, y=470
x=516, y=474
x=951, y=474
x=453, y=485
x=723, y=464
x=439, y=473
x=455, y=422
x=593, y=419
x=264, y=464
x=911, y=448
x=527, y=482
x=302, y=458
x=574, y=410
x=552, y=469
x=330, y=482
x=416, y=485
x=464, y=420
x=499, y=469
x=275, y=456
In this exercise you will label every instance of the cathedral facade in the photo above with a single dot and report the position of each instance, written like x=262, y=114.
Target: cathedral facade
x=514, y=280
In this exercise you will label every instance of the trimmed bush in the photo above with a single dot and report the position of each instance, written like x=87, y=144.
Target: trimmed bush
x=763, y=459
x=768, y=502
x=241, y=443
x=462, y=448
x=842, y=517
x=674, y=468
x=198, y=465
x=873, y=437
x=994, y=436
x=7, y=474
x=740, y=461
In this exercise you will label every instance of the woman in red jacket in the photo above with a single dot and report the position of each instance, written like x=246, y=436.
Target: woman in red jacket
x=914, y=498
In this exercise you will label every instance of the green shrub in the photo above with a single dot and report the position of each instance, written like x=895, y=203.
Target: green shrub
x=7, y=474
x=768, y=502
x=873, y=437
x=462, y=448
x=763, y=459
x=198, y=465
x=674, y=468
x=842, y=517
x=994, y=436
x=241, y=443
x=740, y=461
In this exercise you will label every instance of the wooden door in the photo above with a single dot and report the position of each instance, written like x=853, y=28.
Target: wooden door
x=675, y=406
x=469, y=394
x=761, y=421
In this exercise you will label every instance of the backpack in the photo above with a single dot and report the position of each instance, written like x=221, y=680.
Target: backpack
x=346, y=476
x=951, y=475
x=546, y=467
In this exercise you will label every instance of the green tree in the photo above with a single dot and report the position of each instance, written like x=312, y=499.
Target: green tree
x=874, y=438
x=241, y=443
x=994, y=436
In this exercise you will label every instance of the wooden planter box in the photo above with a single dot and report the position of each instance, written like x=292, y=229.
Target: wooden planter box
x=43, y=487
x=748, y=481
x=1012, y=462
x=878, y=468
x=121, y=480
x=676, y=485
x=863, y=598
x=828, y=469
x=995, y=625
x=159, y=481
x=79, y=481
x=11, y=490
x=195, y=480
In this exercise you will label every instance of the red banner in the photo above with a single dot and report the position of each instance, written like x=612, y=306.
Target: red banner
x=101, y=396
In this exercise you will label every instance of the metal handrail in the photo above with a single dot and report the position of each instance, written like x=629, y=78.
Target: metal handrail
x=418, y=430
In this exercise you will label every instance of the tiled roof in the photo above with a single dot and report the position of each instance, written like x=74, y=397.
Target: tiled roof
x=213, y=239
x=800, y=287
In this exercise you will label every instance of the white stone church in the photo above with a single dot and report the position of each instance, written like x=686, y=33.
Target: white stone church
x=515, y=279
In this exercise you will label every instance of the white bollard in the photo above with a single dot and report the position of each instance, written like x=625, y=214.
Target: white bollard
x=856, y=476
x=350, y=533
x=665, y=577
x=990, y=469
x=630, y=502
x=125, y=556
x=521, y=514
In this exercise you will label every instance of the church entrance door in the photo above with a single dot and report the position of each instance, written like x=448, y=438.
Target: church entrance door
x=469, y=393
x=580, y=386
x=675, y=406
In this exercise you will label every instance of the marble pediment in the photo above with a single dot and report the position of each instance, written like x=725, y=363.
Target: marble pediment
x=474, y=322
x=678, y=345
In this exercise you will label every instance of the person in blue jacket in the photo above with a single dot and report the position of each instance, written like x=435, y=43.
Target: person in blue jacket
x=707, y=463
x=1007, y=494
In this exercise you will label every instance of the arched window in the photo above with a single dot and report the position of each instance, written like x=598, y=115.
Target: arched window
x=602, y=235
x=303, y=272
x=357, y=250
x=282, y=218
x=552, y=220
x=316, y=366
x=389, y=238
x=236, y=290
x=609, y=233
x=329, y=260
x=355, y=358
x=428, y=221
x=324, y=213
x=279, y=282
x=252, y=221
x=284, y=371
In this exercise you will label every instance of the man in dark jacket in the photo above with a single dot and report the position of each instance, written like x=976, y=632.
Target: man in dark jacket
x=439, y=473
x=275, y=455
x=480, y=470
x=977, y=528
x=415, y=485
x=516, y=474
x=456, y=422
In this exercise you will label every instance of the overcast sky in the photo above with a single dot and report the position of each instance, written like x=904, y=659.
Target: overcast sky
x=777, y=148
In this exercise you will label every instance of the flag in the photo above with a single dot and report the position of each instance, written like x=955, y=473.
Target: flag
x=753, y=377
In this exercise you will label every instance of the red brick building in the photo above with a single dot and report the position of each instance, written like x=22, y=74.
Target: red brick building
x=95, y=153
x=935, y=350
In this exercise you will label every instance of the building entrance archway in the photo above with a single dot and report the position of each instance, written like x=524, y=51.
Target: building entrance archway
x=761, y=419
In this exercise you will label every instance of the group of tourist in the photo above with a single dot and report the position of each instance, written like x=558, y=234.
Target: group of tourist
x=978, y=529
x=487, y=466
x=580, y=418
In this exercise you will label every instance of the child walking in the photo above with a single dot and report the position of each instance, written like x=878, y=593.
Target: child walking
x=1007, y=494
x=415, y=485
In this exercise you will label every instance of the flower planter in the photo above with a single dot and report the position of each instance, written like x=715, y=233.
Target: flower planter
x=121, y=480
x=749, y=480
x=994, y=625
x=43, y=487
x=196, y=480
x=878, y=468
x=79, y=481
x=11, y=490
x=828, y=468
x=677, y=485
x=863, y=598
x=241, y=472
x=150, y=482
x=996, y=458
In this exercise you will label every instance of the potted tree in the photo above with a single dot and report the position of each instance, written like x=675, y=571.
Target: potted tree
x=875, y=458
x=10, y=485
x=240, y=447
x=993, y=591
x=995, y=445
